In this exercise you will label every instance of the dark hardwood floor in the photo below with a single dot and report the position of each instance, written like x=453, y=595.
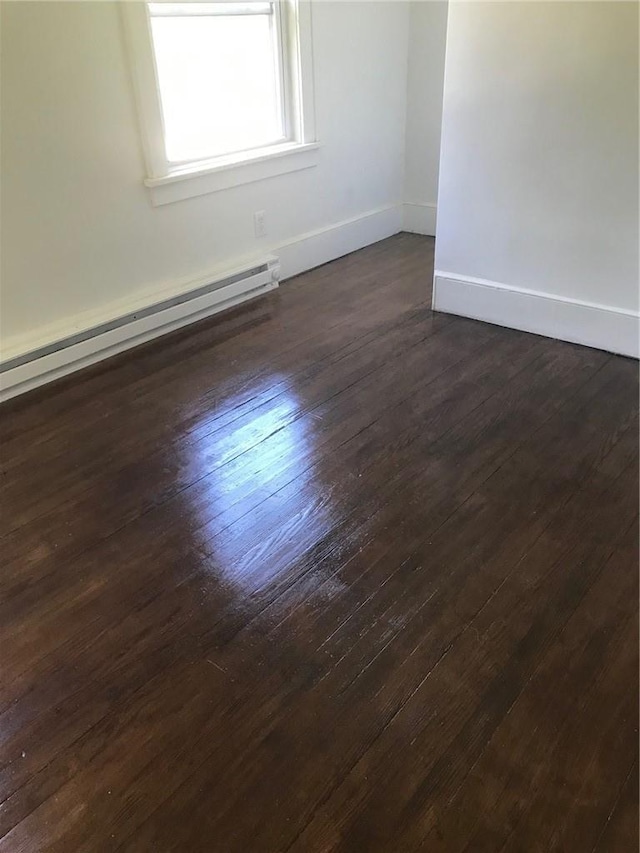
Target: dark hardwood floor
x=327, y=573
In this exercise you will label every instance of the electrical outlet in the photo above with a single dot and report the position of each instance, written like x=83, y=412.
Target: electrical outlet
x=259, y=223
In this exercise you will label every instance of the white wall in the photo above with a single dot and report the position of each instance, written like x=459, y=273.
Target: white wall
x=425, y=74
x=539, y=169
x=79, y=233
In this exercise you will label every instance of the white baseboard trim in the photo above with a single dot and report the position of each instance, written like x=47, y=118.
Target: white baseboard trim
x=296, y=256
x=600, y=326
x=419, y=218
x=326, y=244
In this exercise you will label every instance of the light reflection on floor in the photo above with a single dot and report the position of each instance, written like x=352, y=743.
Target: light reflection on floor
x=277, y=501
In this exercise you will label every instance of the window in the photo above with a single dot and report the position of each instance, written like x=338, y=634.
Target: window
x=224, y=92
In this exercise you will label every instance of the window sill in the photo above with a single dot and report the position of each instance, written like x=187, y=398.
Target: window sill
x=226, y=172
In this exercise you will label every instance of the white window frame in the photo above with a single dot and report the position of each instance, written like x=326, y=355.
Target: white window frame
x=168, y=182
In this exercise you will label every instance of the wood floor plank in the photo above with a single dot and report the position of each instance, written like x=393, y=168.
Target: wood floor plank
x=444, y=725
x=326, y=572
x=592, y=653
x=340, y=420
x=226, y=662
x=621, y=830
x=20, y=710
x=241, y=535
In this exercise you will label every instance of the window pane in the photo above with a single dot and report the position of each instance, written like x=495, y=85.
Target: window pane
x=218, y=82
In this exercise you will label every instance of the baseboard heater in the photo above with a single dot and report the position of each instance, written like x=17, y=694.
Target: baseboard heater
x=57, y=358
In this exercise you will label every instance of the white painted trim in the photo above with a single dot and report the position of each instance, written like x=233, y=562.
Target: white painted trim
x=227, y=172
x=306, y=251
x=144, y=80
x=326, y=244
x=300, y=27
x=419, y=217
x=168, y=182
x=600, y=326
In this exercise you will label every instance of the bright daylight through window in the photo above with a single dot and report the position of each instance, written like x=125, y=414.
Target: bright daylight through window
x=224, y=92
x=221, y=75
